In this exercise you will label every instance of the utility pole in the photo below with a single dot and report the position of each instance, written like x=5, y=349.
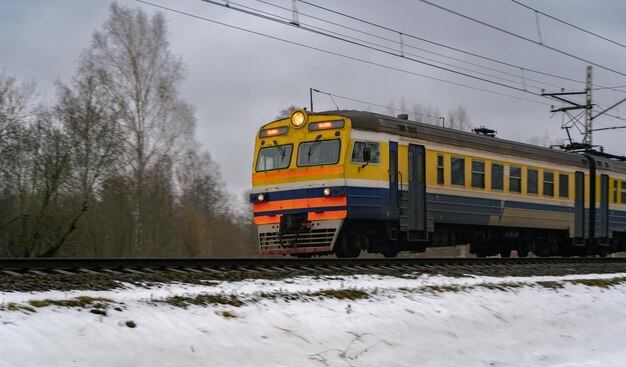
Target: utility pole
x=586, y=127
x=588, y=107
x=574, y=120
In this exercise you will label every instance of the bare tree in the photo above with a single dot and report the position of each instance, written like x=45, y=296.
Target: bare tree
x=15, y=104
x=92, y=149
x=426, y=113
x=542, y=140
x=15, y=116
x=286, y=112
x=130, y=55
x=458, y=119
x=16, y=161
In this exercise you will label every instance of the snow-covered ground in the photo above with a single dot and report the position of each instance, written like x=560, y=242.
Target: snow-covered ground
x=412, y=321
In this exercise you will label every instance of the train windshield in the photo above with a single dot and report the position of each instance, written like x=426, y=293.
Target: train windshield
x=276, y=157
x=319, y=152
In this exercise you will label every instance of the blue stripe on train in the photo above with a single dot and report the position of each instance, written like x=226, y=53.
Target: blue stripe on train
x=373, y=203
x=308, y=193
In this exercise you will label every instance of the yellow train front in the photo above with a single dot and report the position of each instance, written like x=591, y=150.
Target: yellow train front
x=347, y=181
x=299, y=183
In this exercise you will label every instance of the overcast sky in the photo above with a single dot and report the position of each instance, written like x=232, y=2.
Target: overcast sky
x=239, y=80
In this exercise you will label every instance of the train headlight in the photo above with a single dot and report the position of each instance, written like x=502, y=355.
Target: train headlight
x=298, y=118
x=327, y=192
x=260, y=197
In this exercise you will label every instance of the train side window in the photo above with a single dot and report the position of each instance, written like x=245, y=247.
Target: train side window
x=478, y=174
x=548, y=183
x=359, y=147
x=393, y=166
x=532, y=181
x=623, y=192
x=458, y=171
x=563, y=185
x=497, y=176
x=440, y=169
x=515, y=179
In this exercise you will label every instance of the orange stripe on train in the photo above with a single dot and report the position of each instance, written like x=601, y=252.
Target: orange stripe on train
x=299, y=203
x=296, y=173
x=267, y=219
x=332, y=214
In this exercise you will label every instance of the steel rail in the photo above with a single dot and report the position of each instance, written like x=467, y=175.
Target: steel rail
x=234, y=264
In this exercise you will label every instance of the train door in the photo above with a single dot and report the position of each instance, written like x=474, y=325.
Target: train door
x=393, y=211
x=417, y=192
x=603, y=230
x=579, y=208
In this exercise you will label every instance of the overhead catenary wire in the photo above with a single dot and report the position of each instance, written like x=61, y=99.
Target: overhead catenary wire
x=351, y=57
x=371, y=103
x=355, y=41
x=348, y=57
x=440, y=44
x=402, y=34
x=521, y=37
x=393, y=50
x=521, y=68
x=403, y=45
x=569, y=24
x=299, y=26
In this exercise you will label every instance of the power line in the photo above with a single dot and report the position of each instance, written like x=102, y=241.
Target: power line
x=521, y=37
x=440, y=44
x=402, y=54
x=373, y=104
x=285, y=21
x=413, y=47
x=393, y=50
x=340, y=55
x=312, y=30
x=346, y=57
x=569, y=24
x=613, y=88
x=522, y=69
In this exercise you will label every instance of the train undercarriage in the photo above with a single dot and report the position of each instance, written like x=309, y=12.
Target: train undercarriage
x=382, y=237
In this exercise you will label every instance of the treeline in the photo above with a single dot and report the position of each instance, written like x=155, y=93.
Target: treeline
x=456, y=118
x=111, y=167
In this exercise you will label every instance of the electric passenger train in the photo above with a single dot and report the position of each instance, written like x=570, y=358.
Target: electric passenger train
x=343, y=182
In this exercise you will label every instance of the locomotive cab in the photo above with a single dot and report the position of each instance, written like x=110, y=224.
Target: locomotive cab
x=299, y=196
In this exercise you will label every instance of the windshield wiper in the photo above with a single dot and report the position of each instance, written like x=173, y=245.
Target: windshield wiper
x=313, y=146
x=281, y=151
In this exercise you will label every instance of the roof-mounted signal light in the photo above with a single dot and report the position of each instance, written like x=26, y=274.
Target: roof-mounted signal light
x=273, y=131
x=325, y=125
x=299, y=118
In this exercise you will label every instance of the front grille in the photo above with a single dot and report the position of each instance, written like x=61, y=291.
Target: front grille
x=320, y=235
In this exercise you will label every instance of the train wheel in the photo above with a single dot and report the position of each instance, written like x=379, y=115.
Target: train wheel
x=392, y=251
x=522, y=250
x=348, y=247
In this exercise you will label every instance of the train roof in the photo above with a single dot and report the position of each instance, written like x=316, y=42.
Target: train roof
x=370, y=121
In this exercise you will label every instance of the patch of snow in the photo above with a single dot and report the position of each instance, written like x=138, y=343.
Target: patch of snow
x=402, y=323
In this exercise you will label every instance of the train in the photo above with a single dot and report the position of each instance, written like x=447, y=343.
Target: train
x=345, y=182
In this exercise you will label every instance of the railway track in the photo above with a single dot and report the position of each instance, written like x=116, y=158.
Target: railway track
x=162, y=269
x=73, y=266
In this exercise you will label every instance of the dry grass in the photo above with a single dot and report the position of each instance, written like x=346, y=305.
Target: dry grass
x=203, y=300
